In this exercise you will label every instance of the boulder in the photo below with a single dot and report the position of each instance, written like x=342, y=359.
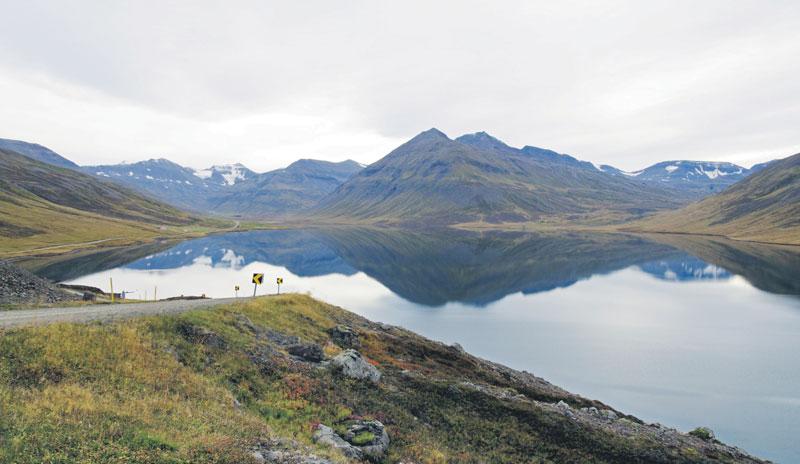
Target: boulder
x=354, y=366
x=326, y=436
x=344, y=336
x=370, y=437
x=307, y=351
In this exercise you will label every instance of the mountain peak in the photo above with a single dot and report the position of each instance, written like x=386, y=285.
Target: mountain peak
x=484, y=141
x=431, y=134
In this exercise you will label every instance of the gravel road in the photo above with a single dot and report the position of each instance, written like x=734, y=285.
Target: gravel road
x=103, y=312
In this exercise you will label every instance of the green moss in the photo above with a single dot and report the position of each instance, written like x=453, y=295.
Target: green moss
x=363, y=438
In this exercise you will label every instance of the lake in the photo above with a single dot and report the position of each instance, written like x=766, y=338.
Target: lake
x=678, y=330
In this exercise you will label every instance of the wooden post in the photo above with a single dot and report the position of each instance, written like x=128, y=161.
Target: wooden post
x=155, y=293
x=111, y=284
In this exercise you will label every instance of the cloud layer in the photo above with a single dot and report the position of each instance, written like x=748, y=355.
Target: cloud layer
x=619, y=82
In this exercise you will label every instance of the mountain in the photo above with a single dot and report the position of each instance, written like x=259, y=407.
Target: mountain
x=700, y=178
x=172, y=183
x=477, y=178
x=41, y=205
x=232, y=189
x=763, y=207
x=37, y=152
x=295, y=188
x=226, y=174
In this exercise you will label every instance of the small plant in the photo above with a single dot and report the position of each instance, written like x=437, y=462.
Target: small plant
x=703, y=433
x=363, y=438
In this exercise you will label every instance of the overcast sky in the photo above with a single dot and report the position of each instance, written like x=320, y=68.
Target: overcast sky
x=626, y=83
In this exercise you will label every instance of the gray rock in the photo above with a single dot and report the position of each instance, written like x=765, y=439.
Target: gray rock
x=354, y=366
x=307, y=351
x=344, y=336
x=326, y=436
x=375, y=448
x=609, y=414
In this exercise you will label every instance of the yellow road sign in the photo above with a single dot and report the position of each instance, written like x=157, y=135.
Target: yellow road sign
x=280, y=280
x=258, y=279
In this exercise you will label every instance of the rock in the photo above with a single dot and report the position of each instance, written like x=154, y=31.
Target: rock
x=703, y=433
x=326, y=436
x=89, y=296
x=307, y=351
x=609, y=414
x=344, y=336
x=201, y=335
x=457, y=347
x=20, y=286
x=563, y=406
x=358, y=434
x=285, y=452
x=354, y=366
x=363, y=439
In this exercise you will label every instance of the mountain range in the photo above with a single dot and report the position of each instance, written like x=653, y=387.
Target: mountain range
x=473, y=179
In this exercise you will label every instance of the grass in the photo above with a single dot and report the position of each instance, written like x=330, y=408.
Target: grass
x=205, y=386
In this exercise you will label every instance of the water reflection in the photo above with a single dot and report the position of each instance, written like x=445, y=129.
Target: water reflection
x=433, y=268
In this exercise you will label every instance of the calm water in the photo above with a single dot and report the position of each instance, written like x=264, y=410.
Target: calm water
x=686, y=333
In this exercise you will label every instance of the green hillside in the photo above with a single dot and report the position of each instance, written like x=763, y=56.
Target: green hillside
x=249, y=382
x=43, y=206
x=764, y=207
x=433, y=179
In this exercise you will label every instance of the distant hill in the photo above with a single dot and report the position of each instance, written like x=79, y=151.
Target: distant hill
x=41, y=204
x=763, y=207
x=170, y=182
x=478, y=178
x=697, y=178
x=232, y=189
x=293, y=189
x=37, y=152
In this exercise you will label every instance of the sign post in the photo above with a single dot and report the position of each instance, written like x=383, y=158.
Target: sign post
x=236, y=289
x=111, y=284
x=279, y=281
x=258, y=279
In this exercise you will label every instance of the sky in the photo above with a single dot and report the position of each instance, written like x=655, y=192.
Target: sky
x=264, y=83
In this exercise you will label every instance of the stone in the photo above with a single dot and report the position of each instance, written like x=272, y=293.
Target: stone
x=202, y=335
x=345, y=337
x=326, y=436
x=375, y=448
x=354, y=366
x=609, y=414
x=307, y=351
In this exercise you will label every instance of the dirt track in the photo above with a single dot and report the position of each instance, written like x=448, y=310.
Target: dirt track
x=103, y=312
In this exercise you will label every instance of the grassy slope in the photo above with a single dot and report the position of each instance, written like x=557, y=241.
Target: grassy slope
x=152, y=390
x=764, y=207
x=43, y=206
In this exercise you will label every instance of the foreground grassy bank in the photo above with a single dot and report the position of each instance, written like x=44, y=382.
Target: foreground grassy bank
x=215, y=385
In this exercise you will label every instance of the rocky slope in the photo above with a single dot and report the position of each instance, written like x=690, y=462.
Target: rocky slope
x=288, y=379
x=20, y=286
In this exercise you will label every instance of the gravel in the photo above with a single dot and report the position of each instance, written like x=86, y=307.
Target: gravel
x=20, y=286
